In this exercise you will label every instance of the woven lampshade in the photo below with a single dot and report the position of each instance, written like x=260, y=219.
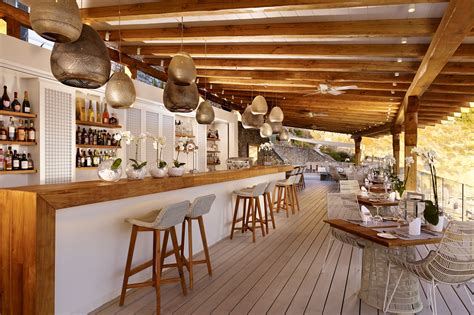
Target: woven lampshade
x=276, y=127
x=266, y=130
x=181, y=69
x=284, y=135
x=259, y=105
x=205, y=113
x=276, y=115
x=84, y=63
x=120, y=91
x=251, y=121
x=56, y=20
x=180, y=98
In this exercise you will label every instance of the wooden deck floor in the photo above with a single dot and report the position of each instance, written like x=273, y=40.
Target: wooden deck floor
x=279, y=274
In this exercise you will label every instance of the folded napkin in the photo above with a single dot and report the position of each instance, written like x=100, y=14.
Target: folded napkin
x=365, y=214
x=414, y=228
x=392, y=196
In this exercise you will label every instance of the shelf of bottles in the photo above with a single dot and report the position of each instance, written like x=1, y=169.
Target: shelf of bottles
x=17, y=131
x=183, y=128
x=98, y=124
x=212, y=148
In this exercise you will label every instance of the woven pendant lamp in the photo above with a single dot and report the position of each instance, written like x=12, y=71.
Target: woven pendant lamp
x=181, y=98
x=259, y=105
x=284, y=135
x=251, y=121
x=182, y=70
x=205, y=113
x=276, y=115
x=266, y=130
x=84, y=63
x=56, y=20
x=120, y=91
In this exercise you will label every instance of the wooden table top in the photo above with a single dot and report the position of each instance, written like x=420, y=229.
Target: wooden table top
x=379, y=203
x=371, y=235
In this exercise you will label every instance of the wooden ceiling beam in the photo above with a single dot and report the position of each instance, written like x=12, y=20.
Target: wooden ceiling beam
x=178, y=8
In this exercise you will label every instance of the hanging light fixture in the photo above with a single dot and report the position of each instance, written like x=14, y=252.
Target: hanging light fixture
x=276, y=115
x=120, y=91
x=284, y=135
x=180, y=98
x=259, y=105
x=84, y=63
x=205, y=112
x=266, y=130
x=181, y=69
x=276, y=127
x=251, y=121
x=56, y=20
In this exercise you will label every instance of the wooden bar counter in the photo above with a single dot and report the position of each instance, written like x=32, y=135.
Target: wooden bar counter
x=29, y=215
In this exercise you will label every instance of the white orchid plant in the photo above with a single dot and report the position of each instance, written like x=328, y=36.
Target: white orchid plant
x=432, y=211
x=398, y=184
x=184, y=145
x=129, y=138
x=266, y=147
x=159, y=142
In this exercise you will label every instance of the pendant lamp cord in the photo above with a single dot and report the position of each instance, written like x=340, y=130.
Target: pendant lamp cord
x=120, y=33
x=182, y=33
x=205, y=62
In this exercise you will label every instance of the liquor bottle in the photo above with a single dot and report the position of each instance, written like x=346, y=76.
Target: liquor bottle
x=15, y=105
x=78, y=135
x=31, y=164
x=11, y=130
x=89, y=159
x=21, y=132
x=15, y=161
x=83, y=159
x=5, y=100
x=94, y=137
x=24, y=162
x=8, y=160
x=98, y=116
x=26, y=104
x=83, y=113
x=109, y=140
x=3, y=132
x=105, y=115
x=2, y=160
x=78, y=158
x=85, y=137
x=90, y=114
x=32, y=132
x=96, y=159
x=113, y=120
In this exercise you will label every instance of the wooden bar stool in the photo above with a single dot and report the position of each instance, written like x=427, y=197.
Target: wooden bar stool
x=268, y=203
x=285, y=195
x=156, y=221
x=199, y=207
x=295, y=191
x=250, y=195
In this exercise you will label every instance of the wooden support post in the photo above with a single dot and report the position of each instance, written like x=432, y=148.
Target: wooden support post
x=411, y=136
x=357, y=157
x=396, y=148
x=13, y=27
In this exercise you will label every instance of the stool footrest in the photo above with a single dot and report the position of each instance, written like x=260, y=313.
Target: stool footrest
x=170, y=280
x=141, y=267
x=140, y=284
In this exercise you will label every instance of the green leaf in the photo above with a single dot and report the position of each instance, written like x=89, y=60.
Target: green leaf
x=162, y=164
x=134, y=161
x=116, y=164
x=431, y=213
x=140, y=166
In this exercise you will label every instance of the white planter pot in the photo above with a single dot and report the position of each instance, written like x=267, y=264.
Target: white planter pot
x=438, y=227
x=156, y=172
x=176, y=171
x=134, y=174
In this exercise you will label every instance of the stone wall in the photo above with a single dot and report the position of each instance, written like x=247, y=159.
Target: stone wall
x=297, y=155
x=252, y=137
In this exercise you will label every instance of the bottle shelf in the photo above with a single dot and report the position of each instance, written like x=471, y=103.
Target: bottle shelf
x=16, y=114
x=213, y=139
x=96, y=124
x=22, y=143
x=213, y=163
x=87, y=168
x=19, y=172
x=182, y=135
x=91, y=146
x=211, y=151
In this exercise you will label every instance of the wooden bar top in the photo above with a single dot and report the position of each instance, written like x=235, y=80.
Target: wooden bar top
x=371, y=235
x=60, y=196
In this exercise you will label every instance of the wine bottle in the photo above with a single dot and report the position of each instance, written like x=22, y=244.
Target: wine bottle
x=98, y=116
x=24, y=162
x=3, y=131
x=105, y=115
x=89, y=159
x=32, y=132
x=31, y=164
x=90, y=114
x=16, y=161
x=5, y=99
x=2, y=160
x=21, y=132
x=26, y=104
x=15, y=105
x=8, y=160
x=11, y=130
x=78, y=158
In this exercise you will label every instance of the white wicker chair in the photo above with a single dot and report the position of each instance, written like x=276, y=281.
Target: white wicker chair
x=349, y=186
x=342, y=206
x=451, y=263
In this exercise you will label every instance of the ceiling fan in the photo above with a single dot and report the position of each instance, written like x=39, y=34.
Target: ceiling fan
x=324, y=88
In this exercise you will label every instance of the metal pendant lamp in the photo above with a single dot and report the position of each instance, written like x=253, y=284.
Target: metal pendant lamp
x=284, y=135
x=182, y=70
x=120, y=91
x=251, y=121
x=266, y=130
x=205, y=113
x=84, y=63
x=276, y=115
x=56, y=20
x=259, y=105
x=181, y=98
x=276, y=127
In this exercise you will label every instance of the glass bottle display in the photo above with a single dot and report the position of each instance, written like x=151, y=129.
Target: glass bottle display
x=5, y=100
x=26, y=107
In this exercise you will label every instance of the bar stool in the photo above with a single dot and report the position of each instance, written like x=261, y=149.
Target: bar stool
x=252, y=196
x=298, y=179
x=268, y=203
x=156, y=221
x=199, y=207
x=285, y=195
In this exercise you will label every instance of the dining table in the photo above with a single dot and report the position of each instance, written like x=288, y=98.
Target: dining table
x=388, y=289
x=376, y=202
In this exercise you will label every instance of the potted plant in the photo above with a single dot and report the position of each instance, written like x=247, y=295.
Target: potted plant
x=266, y=148
x=110, y=170
x=135, y=169
x=159, y=169
x=400, y=185
x=178, y=167
x=432, y=214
